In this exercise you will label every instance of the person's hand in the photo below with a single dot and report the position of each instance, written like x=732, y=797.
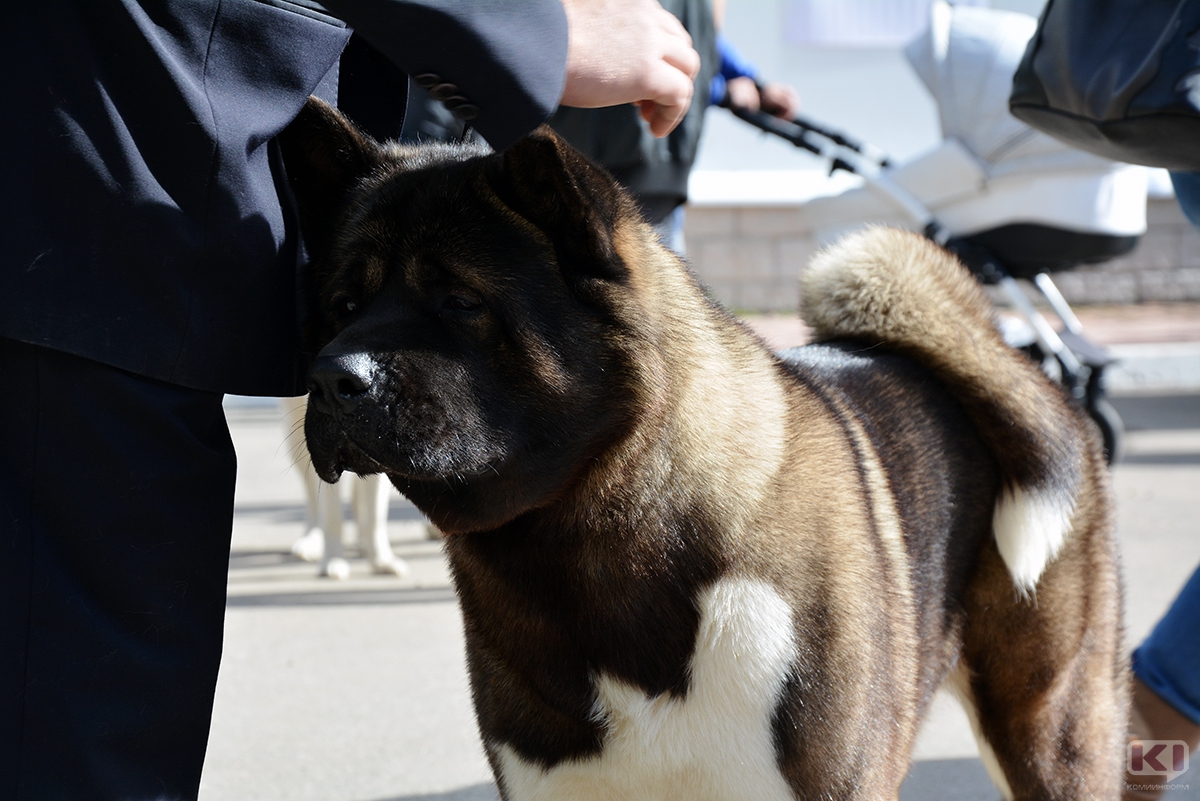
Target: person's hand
x=629, y=51
x=780, y=100
x=742, y=94
x=777, y=99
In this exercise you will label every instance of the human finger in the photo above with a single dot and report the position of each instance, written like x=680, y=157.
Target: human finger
x=663, y=117
x=671, y=89
x=781, y=100
x=682, y=56
x=742, y=94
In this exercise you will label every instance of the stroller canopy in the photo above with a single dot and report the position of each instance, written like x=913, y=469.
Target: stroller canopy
x=990, y=169
x=966, y=58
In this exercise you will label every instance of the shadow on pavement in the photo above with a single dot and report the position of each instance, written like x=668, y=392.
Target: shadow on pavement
x=1161, y=458
x=274, y=512
x=268, y=558
x=967, y=780
x=398, y=509
x=338, y=597
x=249, y=560
x=933, y=780
x=1158, y=412
x=963, y=779
x=478, y=792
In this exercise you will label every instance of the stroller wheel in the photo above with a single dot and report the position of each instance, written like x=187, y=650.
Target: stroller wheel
x=1112, y=429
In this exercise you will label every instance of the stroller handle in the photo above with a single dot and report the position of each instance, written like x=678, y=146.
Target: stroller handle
x=814, y=138
x=846, y=154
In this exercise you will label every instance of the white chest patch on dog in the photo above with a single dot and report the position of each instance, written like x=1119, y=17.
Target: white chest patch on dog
x=714, y=744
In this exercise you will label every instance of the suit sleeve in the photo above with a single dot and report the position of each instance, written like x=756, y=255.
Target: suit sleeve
x=506, y=59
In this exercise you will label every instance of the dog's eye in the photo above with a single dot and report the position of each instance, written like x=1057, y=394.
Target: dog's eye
x=344, y=306
x=463, y=300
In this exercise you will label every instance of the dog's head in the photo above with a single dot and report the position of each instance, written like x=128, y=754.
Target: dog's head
x=472, y=314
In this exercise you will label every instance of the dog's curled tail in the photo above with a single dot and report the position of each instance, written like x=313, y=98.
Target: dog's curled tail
x=896, y=289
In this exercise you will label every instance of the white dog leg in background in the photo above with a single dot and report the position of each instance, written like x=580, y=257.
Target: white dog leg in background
x=311, y=546
x=329, y=505
x=370, y=498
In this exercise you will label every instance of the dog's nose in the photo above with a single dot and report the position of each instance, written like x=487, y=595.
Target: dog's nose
x=338, y=383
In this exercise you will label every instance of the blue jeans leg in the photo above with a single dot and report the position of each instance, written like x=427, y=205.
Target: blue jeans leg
x=1168, y=661
x=1187, y=192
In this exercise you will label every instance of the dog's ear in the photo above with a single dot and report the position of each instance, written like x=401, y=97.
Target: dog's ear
x=575, y=203
x=324, y=155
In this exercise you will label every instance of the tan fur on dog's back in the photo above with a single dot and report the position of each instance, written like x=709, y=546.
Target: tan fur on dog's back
x=884, y=286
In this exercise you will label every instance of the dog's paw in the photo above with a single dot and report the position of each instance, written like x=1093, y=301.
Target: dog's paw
x=336, y=568
x=310, y=547
x=390, y=566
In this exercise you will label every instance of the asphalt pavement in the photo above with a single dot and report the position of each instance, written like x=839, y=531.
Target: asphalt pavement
x=356, y=690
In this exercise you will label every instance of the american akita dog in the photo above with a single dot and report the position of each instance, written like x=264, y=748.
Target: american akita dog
x=691, y=568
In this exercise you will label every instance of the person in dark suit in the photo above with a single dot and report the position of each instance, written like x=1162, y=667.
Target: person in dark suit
x=151, y=263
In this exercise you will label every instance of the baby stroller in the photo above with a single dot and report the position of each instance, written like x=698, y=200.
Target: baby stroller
x=1011, y=202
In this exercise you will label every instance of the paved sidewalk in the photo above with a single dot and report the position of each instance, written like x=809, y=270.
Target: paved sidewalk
x=356, y=690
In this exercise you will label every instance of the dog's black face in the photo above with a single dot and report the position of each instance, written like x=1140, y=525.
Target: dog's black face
x=465, y=317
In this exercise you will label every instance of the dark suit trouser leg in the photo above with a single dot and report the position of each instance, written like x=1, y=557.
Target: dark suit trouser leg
x=116, y=507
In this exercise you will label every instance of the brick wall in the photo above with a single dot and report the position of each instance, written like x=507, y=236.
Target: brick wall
x=750, y=258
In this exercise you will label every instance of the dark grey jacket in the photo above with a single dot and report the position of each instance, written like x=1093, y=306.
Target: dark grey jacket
x=144, y=215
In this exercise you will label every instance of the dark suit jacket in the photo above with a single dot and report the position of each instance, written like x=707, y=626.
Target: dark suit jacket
x=146, y=224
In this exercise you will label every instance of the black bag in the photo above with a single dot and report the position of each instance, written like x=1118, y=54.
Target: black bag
x=1118, y=78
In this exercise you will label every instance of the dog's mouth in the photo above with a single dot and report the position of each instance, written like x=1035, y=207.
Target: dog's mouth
x=334, y=450
x=350, y=457
x=346, y=456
